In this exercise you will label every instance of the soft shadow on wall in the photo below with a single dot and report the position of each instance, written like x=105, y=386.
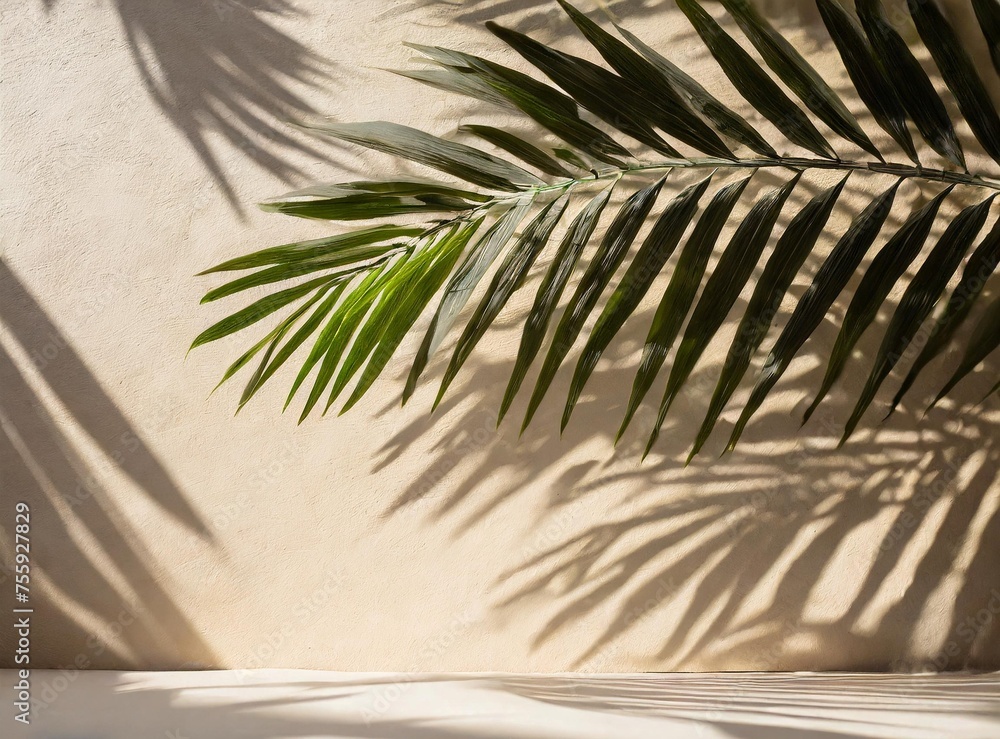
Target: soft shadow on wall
x=721, y=564
x=95, y=584
x=222, y=68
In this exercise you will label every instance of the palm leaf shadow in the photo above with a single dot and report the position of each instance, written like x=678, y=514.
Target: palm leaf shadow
x=75, y=585
x=224, y=68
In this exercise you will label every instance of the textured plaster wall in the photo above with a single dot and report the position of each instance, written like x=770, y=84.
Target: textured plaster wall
x=168, y=533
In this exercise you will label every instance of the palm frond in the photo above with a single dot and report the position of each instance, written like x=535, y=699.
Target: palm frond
x=353, y=296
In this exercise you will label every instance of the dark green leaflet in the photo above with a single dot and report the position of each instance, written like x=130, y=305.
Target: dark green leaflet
x=988, y=15
x=725, y=120
x=509, y=278
x=268, y=366
x=800, y=77
x=985, y=339
x=609, y=97
x=544, y=104
x=402, y=188
x=571, y=157
x=885, y=270
x=352, y=201
x=919, y=299
x=461, y=285
x=980, y=267
x=549, y=292
x=830, y=280
x=673, y=115
x=753, y=83
x=326, y=246
x=258, y=310
x=349, y=257
x=721, y=291
x=959, y=73
x=919, y=98
x=613, y=247
x=652, y=255
x=458, y=160
x=789, y=253
x=513, y=144
x=993, y=390
x=872, y=85
x=362, y=206
x=680, y=292
x=457, y=81
x=488, y=71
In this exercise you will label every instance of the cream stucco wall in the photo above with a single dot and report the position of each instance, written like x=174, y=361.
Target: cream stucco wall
x=168, y=533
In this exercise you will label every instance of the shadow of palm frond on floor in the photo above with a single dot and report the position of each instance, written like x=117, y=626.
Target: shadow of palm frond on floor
x=472, y=706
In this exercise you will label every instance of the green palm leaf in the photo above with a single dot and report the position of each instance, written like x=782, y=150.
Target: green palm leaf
x=509, y=278
x=831, y=279
x=526, y=152
x=885, y=270
x=680, y=293
x=588, y=130
x=988, y=13
x=797, y=73
x=549, y=292
x=919, y=298
x=871, y=83
x=959, y=73
x=754, y=84
x=721, y=291
x=921, y=101
x=789, y=253
x=619, y=237
x=984, y=340
x=978, y=270
x=649, y=261
x=462, y=283
x=725, y=120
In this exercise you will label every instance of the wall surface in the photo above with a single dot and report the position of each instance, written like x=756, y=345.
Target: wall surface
x=169, y=533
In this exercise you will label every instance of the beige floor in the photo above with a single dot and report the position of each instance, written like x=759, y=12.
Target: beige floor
x=301, y=703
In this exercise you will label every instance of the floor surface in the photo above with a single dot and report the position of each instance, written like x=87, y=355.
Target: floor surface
x=302, y=704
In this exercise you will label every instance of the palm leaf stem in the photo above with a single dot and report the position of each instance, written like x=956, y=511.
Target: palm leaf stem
x=902, y=171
